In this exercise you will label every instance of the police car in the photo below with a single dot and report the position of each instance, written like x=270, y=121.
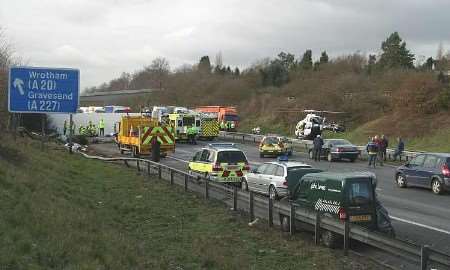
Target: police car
x=220, y=162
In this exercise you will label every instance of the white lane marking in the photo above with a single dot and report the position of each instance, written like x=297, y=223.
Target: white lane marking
x=420, y=225
x=178, y=159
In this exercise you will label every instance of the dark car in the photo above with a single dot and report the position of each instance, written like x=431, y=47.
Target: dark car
x=431, y=170
x=337, y=149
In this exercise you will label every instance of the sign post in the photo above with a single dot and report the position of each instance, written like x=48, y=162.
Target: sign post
x=43, y=90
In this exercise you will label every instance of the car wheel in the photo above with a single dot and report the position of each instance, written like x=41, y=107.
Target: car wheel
x=329, y=157
x=311, y=154
x=121, y=150
x=285, y=223
x=273, y=193
x=401, y=181
x=290, y=152
x=329, y=239
x=436, y=186
x=261, y=155
x=352, y=159
x=244, y=185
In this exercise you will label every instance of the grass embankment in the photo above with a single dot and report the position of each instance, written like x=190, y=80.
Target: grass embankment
x=60, y=211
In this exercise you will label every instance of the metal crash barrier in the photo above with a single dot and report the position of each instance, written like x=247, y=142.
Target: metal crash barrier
x=267, y=209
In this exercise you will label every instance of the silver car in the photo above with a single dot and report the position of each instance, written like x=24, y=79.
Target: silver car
x=270, y=178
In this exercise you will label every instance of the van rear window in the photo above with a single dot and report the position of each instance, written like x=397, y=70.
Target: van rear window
x=359, y=193
x=231, y=157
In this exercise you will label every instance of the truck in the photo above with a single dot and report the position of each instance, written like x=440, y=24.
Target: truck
x=226, y=115
x=137, y=132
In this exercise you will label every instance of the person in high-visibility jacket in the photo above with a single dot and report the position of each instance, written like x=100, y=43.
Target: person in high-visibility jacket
x=192, y=134
x=222, y=125
x=101, y=127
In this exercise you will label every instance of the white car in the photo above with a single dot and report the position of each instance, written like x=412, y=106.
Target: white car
x=273, y=178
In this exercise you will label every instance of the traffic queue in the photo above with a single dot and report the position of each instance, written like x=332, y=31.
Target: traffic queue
x=344, y=196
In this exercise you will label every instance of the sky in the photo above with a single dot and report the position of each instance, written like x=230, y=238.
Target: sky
x=104, y=38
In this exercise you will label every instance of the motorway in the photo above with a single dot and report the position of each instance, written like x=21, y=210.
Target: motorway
x=418, y=215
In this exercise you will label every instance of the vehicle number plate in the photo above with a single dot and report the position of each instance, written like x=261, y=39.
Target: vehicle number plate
x=232, y=168
x=361, y=218
x=233, y=179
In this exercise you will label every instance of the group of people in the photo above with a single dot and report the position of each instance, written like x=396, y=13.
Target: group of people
x=377, y=147
x=89, y=130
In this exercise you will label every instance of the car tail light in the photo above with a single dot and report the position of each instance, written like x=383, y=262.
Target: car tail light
x=342, y=214
x=246, y=167
x=226, y=173
x=239, y=173
x=446, y=170
x=217, y=168
x=340, y=149
x=285, y=182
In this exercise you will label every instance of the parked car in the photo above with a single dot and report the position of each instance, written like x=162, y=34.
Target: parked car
x=431, y=170
x=274, y=178
x=221, y=162
x=336, y=149
x=344, y=196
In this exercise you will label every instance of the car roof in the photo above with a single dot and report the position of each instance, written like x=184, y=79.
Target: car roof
x=437, y=154
x=289, y=164
x=222, y=147
x=342, y=176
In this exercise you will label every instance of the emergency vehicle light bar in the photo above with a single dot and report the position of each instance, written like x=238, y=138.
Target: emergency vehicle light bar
x=221, y=145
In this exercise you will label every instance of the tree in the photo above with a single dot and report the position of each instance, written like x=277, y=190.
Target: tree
x=160, y=69
x=287, y=60
x=371, y=63
x=428, y=65
x=395, y=54
x=306, y=63
x=275, y=74
x=323, y=58
x=204, y=65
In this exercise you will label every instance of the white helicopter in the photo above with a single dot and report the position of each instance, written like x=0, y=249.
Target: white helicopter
x=314, y=123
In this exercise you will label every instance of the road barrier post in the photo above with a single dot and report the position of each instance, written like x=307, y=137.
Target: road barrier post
x=206, y=189
x=186, y=182
x=148, y=168
x=317, y=229
x=424, y=257
x=243, y=138
x=159, y=172
x=270, y=212
x=126, y=163
x=171, y=177
x=346, y=237
x=235, y=198
x=137, y=165
x=251, y=207
x=292, y=220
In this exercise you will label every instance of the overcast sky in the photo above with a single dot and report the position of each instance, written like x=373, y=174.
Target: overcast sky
x=103, y=38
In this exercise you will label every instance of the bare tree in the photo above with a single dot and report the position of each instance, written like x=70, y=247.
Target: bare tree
x=160, y=68
x=218, y=60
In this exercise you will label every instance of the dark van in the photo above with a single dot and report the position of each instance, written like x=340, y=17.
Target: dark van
x=344, y=196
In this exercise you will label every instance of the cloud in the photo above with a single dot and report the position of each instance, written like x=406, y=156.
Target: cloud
x=106, y=37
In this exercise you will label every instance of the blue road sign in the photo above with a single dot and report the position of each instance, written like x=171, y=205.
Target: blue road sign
x=43, y=90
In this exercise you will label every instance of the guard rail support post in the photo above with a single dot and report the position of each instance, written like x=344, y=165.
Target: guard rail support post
x=251, y=207
x=186, y=182
x=159, y=172
x=317, y=229
x=243, y=138
x=270, y=212
x=235, y=198
x=254, y=139
x=171, y=177
x=126, y=163
x=292, y=220
x=424, y=253
x=148, y=168
x=137, y=165
x=346, y=237
x=206, y=189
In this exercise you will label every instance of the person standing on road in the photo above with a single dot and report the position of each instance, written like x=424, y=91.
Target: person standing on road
x=385, y=145
x=400, y=148
x=318, y=143
x=192, y=133
x=156, y=149
x=379, y=144
x=372, y=150
x=101, y=127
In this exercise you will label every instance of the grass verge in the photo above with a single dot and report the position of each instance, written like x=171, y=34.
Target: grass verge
x=61, y=211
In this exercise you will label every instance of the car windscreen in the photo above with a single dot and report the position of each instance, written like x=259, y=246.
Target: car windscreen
x=231, y=117
x=231, y=157
x=271, y=140
x=340, y=142
x=359, y=193
x=188, y=121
